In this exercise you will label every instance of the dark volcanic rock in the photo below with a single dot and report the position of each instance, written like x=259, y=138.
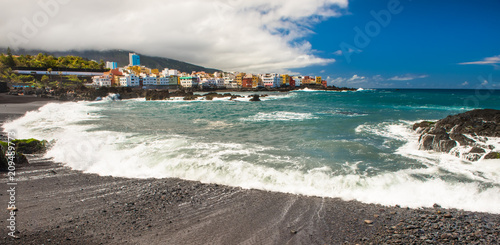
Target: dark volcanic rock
x=157, y=95
x=30, y=146
x=3, y=161
x=212, y=95
x=235, y=96
x=18, y=157
x=467, y=129
x=477, y=122
x=255, y=97
x=190, y=96
x=492, y=155
x=423, y=124
x=477, y=150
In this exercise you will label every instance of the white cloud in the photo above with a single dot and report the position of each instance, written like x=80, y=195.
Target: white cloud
x=484, y=83
x=350, y=50
x=257, y=35
x=354, y=81
x=495, y=60
x=465, y=83
x=338, y=52
x=407, y=77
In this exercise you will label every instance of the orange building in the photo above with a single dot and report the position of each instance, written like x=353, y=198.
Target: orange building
x=247, y=82
x=114, y=76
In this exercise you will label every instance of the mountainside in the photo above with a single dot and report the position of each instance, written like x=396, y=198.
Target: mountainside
x=121, y=57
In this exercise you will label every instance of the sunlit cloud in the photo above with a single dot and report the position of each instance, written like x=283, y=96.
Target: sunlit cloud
x=407, y=77
x=495, y=60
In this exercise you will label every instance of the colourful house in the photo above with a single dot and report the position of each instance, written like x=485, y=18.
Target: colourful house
x=318, y=80
x=239, y=79
x=247, y=82
x=285, y=80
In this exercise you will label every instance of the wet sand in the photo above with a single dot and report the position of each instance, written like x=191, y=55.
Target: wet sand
x=58, y=205
x=13, y=106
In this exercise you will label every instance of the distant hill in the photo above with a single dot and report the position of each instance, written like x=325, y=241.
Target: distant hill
x=121, y=57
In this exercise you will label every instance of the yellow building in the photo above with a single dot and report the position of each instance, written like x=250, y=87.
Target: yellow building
x=318, y=80
x=285, y=80
x=256, y=81
x=116, y=81
x=239, y=79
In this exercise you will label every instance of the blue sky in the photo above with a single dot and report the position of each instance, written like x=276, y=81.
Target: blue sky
x=422, y=46
x=425, y=44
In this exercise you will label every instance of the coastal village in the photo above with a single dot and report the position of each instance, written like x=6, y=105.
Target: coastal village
x=73, y=78
x=136, y=75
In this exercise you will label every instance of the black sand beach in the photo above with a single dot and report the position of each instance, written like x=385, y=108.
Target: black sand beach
x=57, y=205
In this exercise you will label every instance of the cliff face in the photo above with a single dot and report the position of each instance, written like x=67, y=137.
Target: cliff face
x=471, y=135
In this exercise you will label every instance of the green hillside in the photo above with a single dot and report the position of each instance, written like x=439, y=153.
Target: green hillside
x=121, y=57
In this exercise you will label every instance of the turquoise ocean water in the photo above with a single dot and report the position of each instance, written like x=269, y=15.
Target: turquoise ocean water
x=352, y=145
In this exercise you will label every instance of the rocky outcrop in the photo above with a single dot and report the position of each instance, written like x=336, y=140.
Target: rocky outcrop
x=157, y=95
x=212, y=95
x=464, y=135
x=29, y=146
x=255, y=97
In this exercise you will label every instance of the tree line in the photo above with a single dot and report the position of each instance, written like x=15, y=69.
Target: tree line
x=49, y=61
x=8, y=62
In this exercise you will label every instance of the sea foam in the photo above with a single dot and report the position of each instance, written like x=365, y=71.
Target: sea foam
x=280, y=116
x=87, y=147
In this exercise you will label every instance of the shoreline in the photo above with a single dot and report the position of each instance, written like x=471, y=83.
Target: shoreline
x=60, y=205
x=14, y=106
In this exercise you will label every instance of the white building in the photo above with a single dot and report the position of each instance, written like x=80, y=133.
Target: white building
x=298, y=80
x=129, y=80
x=173, y=72
x=219, y=82
x=271, y=80
x=207, y=82
x=230, y=80
x=230, y=84
x=111, y=65
x=189, y=81
x=102, y=81
x=165, y=72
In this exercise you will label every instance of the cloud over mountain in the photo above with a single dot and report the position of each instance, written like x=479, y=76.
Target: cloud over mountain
x=253, y=35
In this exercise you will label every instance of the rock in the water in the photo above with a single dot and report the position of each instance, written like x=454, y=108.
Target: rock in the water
x=256, y=97
x=477, y=150
x=462, y=130
x=492, y=155
x=157, y=95
x=423, y=124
